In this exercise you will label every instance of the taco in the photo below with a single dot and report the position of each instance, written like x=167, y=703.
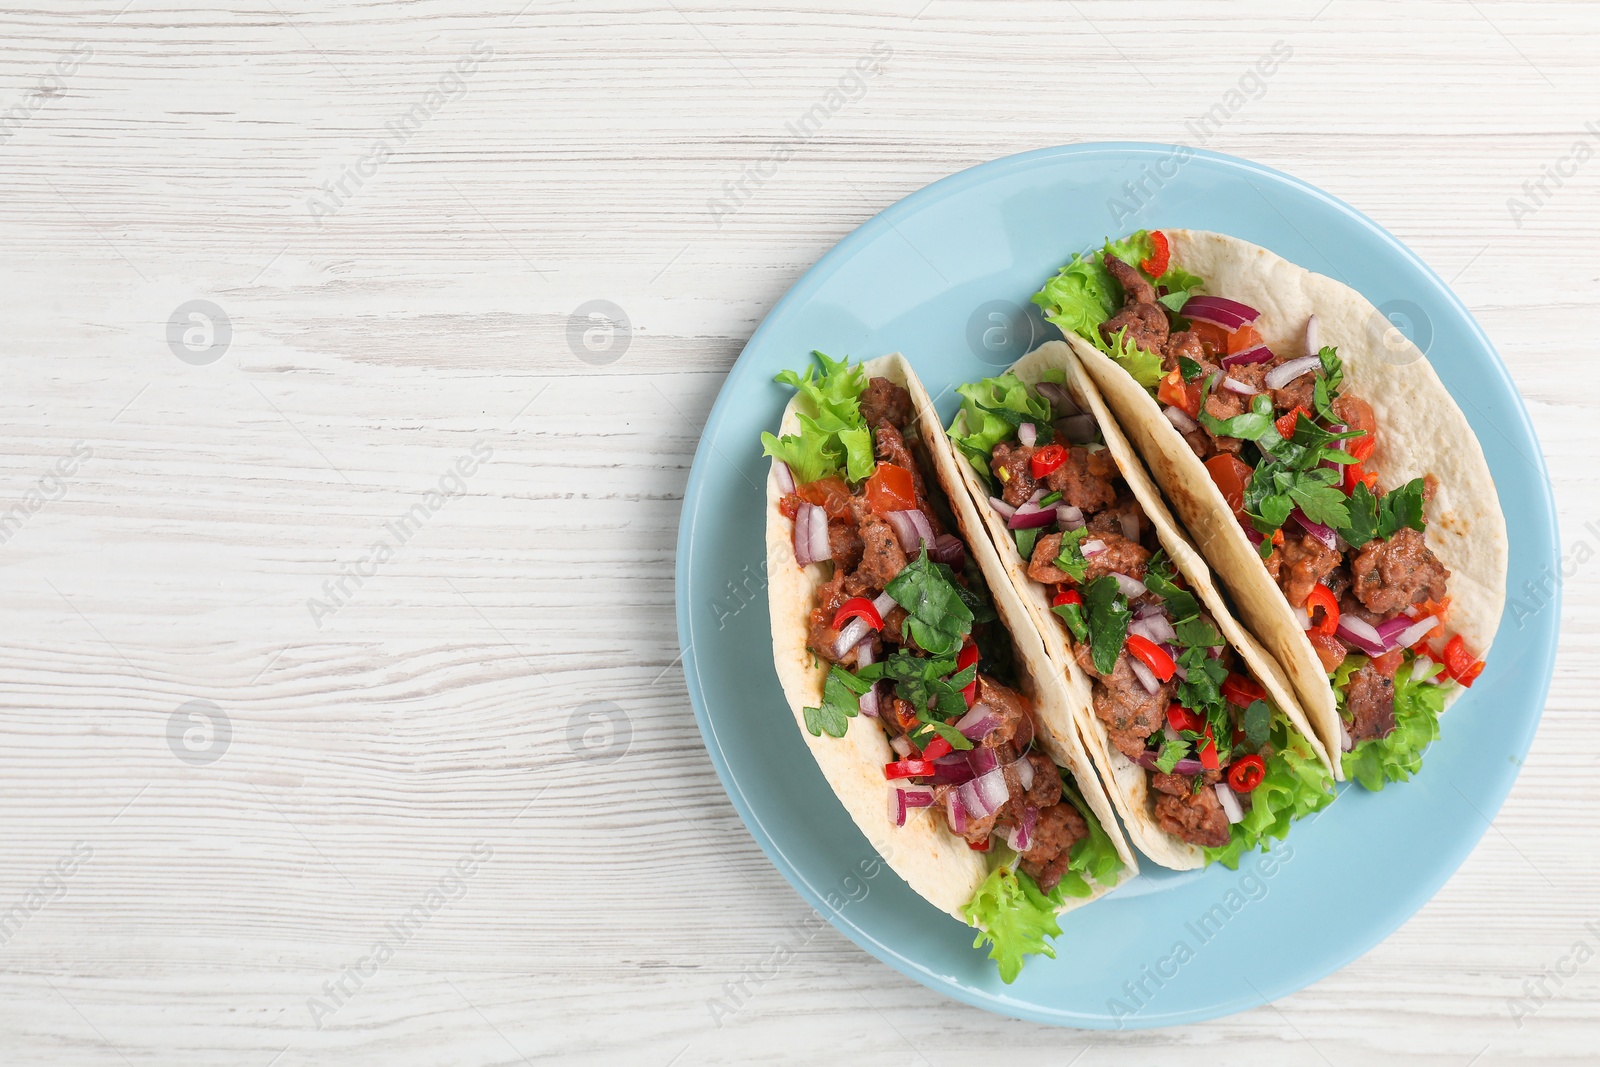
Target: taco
x=915, y=675
x=1194, y=727
x=1326, y=473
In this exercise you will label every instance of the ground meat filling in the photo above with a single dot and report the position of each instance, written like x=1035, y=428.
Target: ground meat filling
x=1144, y=320
x=1049, y=851
x=1120, y=556
x=1130, y=713
x=1305, y=562
x=1016, y=717
x=1017, y=484
x=1369, y=703
x=890, y=447
x=1394, y=574
x=881, y=557
x=884, y=401
x=1196, y=817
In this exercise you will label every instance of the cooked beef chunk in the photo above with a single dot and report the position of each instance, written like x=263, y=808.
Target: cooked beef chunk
x=821, y=635
x=1338, y=580
x=893, y=622
x=1121, y=702
x=1042, y=567
x=1050, y=848
x=1329, y=648
x=891, y=447
x=1046, y=787
x=1016, y=716
x=1390, y=575
x=1306, y=561
x=881, y=557
x=883, y=400
x=1197, y=818
x=1121, y=555
x=1225, y=403
x=1300, y=393
x=1349, y=605
x=1187, y=344
x=1369, y=701
x=1018, y=483
x=900, y=715
x=1144, y=319
x=845, y=544
x=1085, y=479
x=1109, y=521
x=1274, y=563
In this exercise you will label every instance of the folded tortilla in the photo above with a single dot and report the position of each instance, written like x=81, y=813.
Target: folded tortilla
x=935, y=863
x=1420, y=431
x=1128, y=782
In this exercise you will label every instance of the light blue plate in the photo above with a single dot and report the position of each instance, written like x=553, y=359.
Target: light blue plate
x=945, y=276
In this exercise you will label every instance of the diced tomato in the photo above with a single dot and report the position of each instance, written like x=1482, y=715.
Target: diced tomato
x=1066, y=596
x=1353, y=473
x=830, y=494
x=1241, y=690
x=1286, y=423
x=1156, y=265
x=858, y=607
x=966, y=658
x=1389, y=662
x=1181, y=718
x=891, y=488
x=982, y=846
x=1208, y=750
x=936, y=749
x=1159, y=662
x=1045, y=459
x=908, y=768
x=1230, y=474
x=1458, y=662
x=1185, y=396
x=1213, y=337
x=1357, y=415
x=1243, y=339
x=1322, y=597
x=1245, y=773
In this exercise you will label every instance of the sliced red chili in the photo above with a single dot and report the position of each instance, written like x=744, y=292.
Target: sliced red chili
x=936, y=749
x=858, y=607
x=1286, y=423
x=1322, y=597
x=982, y=846
x=1181, y=718
x=1208, y=750
x=1160, y=255
x=1159, y=662
x=1242, y=691
x=1246, y=773
x=1066, y=596
x=966, y=658
x=1045, y=459
x=908, y=768
x=1458, y=662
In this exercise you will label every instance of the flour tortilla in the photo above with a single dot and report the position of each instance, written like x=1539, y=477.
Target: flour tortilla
x=1420, y=431
x=934, y=862
x=1128, y=782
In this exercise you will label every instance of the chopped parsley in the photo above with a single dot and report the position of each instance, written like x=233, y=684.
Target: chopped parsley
x=1189, y=368
x=1383, y=516
x=1108, y=615
x=841, y=702
x=1073, y=615
x=938, y=616
x=922, y=683
x=1071, y=558
x=1026, y=539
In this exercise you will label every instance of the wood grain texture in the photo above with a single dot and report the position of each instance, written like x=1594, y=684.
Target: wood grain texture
x=155, y=154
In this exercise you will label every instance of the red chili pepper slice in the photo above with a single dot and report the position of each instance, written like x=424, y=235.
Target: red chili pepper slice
x=1246, y=773
x=1161, y=254
x=966, y=658
x=981, y=847
x=1458, y=662
x=1045, y=459
x=1208, y=750
x=1066, y=596
x=1354, y=473
x=1181, y=718
x=1322, y=597
x=936, y=749
x=1159, y=662
x=1242, y=691
x=1286, y=423
x=858, y=607
x=908, y=768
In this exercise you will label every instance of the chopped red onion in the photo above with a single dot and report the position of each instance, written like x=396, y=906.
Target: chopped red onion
x=1230, y=803
x=1069, y=517
x=1025, y=772
x=1005, y=510
x=904, y=797
x=1154, y=628
x=1219, y=311
x=1079, y=429
x=955, y=811
x=983, y=795
x=1315, y=529
x=884, y=603
x=1020, y=837
x=785, y=476
x=811, y=535
x=850, y=636
x=1258, y=354
x=1361, y=634
x=1180, y=672
x=1401, y=632
x=1150, y=682
x=911, y=528
x=1131, y=587
x=1313, y=336
x=1280, y=376
x=864, y=652
x=947, y=548
x=869, y=701
x=978, y=723
x=952, y=769
x=1092, y=548
x=1187, y=765
x=1346, y=742
x=982, y=760
x=1180, y=419
x=902, y=746
x=1305, y=619
x=1028, y=434
x=1031, y=516
x=1234, y=385
x=1144, y=611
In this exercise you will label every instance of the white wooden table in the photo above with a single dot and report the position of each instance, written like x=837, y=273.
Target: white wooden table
x=409, y=545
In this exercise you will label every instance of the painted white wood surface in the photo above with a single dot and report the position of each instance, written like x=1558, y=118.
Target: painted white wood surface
x=155, y=154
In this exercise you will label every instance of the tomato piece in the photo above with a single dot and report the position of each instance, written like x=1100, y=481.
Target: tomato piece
x=858, y=607
x=1230, y=474
x=1357, y=415
x=1243, y=339
x=1322, y=597
x=1208, y=750
x=1181, y=718
x=966, y=658
x=1185, y=396
x=1329, y=649
x=1286, y=423
x=1046, y=459
x=983, y=846
x=1389, y=662
x=1212, y=337
x=891, y=488
x=936, y=749
x=1156, y=265
x=830, y=494
x=1458, y=662
x=908, y=768
x=1241, y=690
x=1245, y=773
x=1160, y=664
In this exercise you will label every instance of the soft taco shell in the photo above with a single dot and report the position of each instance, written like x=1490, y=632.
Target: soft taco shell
x=1129, y=783
x=935, y=863
x=1420, y=431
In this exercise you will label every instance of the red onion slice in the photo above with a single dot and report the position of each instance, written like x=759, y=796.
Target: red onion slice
x=902, y=746
x=1069, y=517
x=785, y=476
x=1361, y=634
x=1005, y=510
x=897, y=805
x=1144, y=611
x=1230, y=803
x=1150, y=682
x=1313, y=336
x=1131, y=587
x=1028, y=434
x=1020, y=837
x=1155, y=628
x=955, y=811
x=918, y=797
x=811, y=535
x=983, y=795
x=851, y=636
x=869, y=704
x=1316, y=529
x=1031, y=517
x=864, y=652
x=1420, y=668
x=1180, y=419
x=952, y=770
x=1280, y=376
x=1187, y=765
x=1258, y=354
x=1234, y=385
x=947, y=548
x=911, y=528
x=1220, y=311
x=977, y=724
x=1092, y=548
x=1025, y=772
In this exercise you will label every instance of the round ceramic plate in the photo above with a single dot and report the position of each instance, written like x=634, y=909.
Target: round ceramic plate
x=945, y=277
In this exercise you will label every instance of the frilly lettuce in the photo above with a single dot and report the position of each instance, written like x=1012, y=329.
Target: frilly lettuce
x=1417, y=705
x=833, y=436
x=1296, y=784
x=991, y=410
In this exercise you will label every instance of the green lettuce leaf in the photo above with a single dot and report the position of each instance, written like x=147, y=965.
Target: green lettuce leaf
x=1015, y=918
x=1094, y=858
x=833, y=437
x=991, y=411
x=1417, y=705
x=1296, y=784
x=1080, y=297
x=1143, y=365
